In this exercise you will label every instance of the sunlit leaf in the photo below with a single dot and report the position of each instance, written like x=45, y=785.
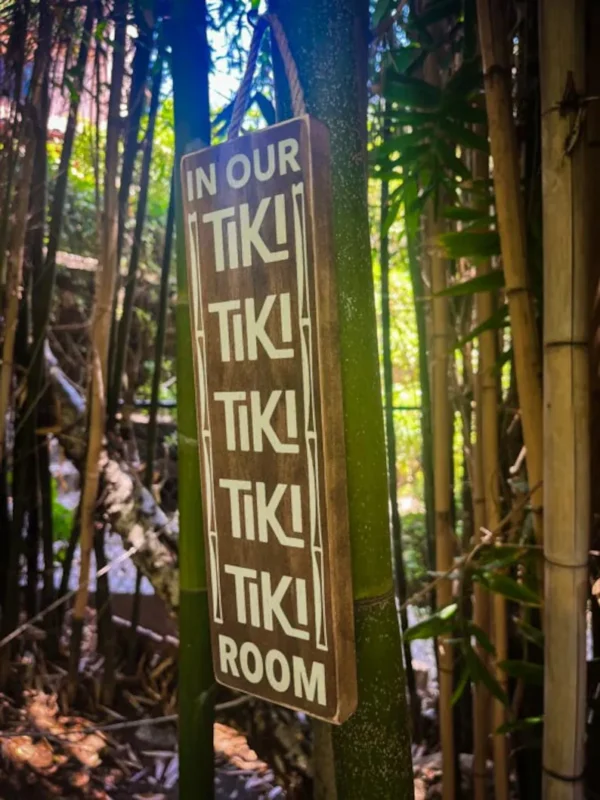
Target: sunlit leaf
x=437, y=624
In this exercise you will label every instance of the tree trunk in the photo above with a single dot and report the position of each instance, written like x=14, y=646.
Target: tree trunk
x=328, y=39
x=566, y=398
x=192, y=130
x=104, y=293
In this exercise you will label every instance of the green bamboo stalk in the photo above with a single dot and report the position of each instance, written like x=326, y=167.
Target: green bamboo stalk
x=154, y=398
x=411, y=223
x=160, y=338
x=390, y=433
x=190, y=66
x=328, y=39
x=134, y=259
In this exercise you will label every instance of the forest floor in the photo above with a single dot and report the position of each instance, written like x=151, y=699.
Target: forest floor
x=126, y=747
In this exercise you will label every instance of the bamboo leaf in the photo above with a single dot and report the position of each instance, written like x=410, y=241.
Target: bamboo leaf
x=465, y=112
x=391, y=214
x=471, y=244
x=482, y=638
x=418, y=204
x=440, y=10
x=463, y=136
x=266, y=108
x=462, y=685
x=381, y=9
x=509, y=588
x=530, y=632
x=437, y=624
x=481, y=283
x=465, y=214
x=530, y=673
x=499, y=319
x=480, y=674
x=467, y=79
x=412, y=92
x=450, y=160
x=520, y=725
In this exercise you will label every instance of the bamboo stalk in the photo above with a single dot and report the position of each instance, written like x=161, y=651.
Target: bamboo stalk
x=490, y=459
x=442, y=424
x=104, y=292
x=566, y=398
x=390, y=432
x=494, y=42
x=411, y=222
x=481, y=612
x=328, y=39
x=124, y=326
x=444, y=544
x=190, y=68
x=16, y=239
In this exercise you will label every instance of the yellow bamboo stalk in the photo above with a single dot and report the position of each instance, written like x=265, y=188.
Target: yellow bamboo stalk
x=444, y=540
x=481, y=610
x=100, y=332
x=16, y=242
x=566, y=397
x=494, y=41
x=488, y=353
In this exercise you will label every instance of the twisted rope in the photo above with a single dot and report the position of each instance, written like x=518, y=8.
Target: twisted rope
x=291, y=72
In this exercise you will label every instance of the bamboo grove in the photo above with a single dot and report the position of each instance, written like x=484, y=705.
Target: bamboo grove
x=464, y=133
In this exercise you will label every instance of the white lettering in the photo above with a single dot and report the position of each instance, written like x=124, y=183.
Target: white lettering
x=309, y=687
x=266, y=511
x=267, y=174
x=251, y=237
x=255, y=327
x=227, y=655
x=275, y=666
x=216, y=219
x=281, y=684
x=206, y=181
x=244, y=161
x=271, y=601
x=252, y=675
x=288, y=150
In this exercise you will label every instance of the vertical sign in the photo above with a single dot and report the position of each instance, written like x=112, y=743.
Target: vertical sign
x=257, y=213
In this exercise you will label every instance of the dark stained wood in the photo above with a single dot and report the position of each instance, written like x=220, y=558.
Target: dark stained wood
x=257, y=214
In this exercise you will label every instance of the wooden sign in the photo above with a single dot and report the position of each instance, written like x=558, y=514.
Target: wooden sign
x=257, y=214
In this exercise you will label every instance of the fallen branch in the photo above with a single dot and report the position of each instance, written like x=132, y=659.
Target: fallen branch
x=128, y=506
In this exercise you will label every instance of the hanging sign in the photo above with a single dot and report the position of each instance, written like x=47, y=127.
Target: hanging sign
x=257, y=214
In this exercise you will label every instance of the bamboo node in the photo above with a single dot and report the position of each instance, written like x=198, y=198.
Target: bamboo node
x=564, y=778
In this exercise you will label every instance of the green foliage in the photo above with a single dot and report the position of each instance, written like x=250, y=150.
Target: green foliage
x=62, y=517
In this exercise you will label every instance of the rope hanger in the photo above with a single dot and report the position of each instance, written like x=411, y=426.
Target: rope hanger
x=291, y=72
